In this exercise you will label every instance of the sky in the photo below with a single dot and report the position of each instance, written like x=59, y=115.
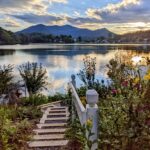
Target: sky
x=119, y=16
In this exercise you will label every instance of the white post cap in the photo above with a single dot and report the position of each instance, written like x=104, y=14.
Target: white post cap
x=91, y=97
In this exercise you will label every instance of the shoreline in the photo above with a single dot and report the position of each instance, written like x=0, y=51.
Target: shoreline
x=47, y=45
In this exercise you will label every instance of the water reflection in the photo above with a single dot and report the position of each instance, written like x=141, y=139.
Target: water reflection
x=6, y=52
x=62, y=61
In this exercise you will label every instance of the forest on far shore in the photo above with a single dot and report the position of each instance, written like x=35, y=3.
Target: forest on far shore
x=8, y=37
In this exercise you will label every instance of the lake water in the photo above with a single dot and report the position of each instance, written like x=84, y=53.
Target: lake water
x=61, y=61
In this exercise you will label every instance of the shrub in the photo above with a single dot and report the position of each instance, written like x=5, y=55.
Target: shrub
x=15, y=127
x=58, y=97
x=124, y=114
x=34, y=100
x=5, y=78
x=76, y=135
x=87, y=74
x=34, y=76
x=29, y=112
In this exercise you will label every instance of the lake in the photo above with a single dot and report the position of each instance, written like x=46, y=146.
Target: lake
x=63, y=60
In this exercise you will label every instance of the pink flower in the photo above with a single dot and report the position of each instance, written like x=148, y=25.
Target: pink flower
x=124, y=83
x=114, y=91
x=147, y=122
x=142, y=108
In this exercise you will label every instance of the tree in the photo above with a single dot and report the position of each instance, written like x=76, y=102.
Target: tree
x=9, y=90
x=34, y=76
x=7, y=37
x=79, y=39
x=6, y=77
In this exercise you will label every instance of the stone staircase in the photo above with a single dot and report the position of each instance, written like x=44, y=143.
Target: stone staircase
x=50, y=132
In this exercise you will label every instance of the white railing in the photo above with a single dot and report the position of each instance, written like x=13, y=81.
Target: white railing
x=90, y=112
x=81, y=111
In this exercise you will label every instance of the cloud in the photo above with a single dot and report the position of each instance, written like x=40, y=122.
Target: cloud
x=114, y=16
x=81, y=20
x=126, y=11
x=58, y=1
x=9, y=22
x=110, y=8
x=76, y=14
x=22, y=6
x=35, y=19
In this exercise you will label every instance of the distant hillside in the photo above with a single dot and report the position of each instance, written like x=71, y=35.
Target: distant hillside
x=7, y=37
x=68, y=34
x=135, y=37
x=67, y=30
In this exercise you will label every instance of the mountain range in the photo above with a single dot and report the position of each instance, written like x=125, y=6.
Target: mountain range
x=61, y=34
x=67, y=30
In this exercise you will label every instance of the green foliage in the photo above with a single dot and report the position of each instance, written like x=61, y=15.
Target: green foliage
x=82, y=91
x=29, y=112
x=116, y=71
x=6, y=77
x=79, y=136
x=124, y=114
x=6, y=130
x=14, y=129
x=39, y=99
x=87, y=74
x=76, y=134
x=101, y=88
x=34, y=76
x=34, y=100
x=57, y=97
x=44, y=38
x=7, y=37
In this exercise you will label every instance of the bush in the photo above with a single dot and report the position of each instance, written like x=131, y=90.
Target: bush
x=29, y=112
x=15, y=127
x=34, y=76
x=87, y=74
x=58, y=97
x=124, y=114
x=34, y=100
x=5, y=78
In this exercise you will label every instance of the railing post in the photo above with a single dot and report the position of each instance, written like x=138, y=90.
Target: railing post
x=92, y=114
x=73, y=81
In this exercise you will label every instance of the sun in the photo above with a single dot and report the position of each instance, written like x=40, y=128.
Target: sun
x=140, y=24
x=136, y=59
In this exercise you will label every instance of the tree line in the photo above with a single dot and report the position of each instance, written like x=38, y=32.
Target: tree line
x=8, y=37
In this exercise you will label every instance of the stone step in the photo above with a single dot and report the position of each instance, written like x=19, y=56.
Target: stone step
x=58, y=108
x=43, y=109
x=57, y=103
x=48, y=144
x=49, y=131
x=56, y=120
x=48, y=137
x=52, y=125
x=57, y=111
x=54, y=115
